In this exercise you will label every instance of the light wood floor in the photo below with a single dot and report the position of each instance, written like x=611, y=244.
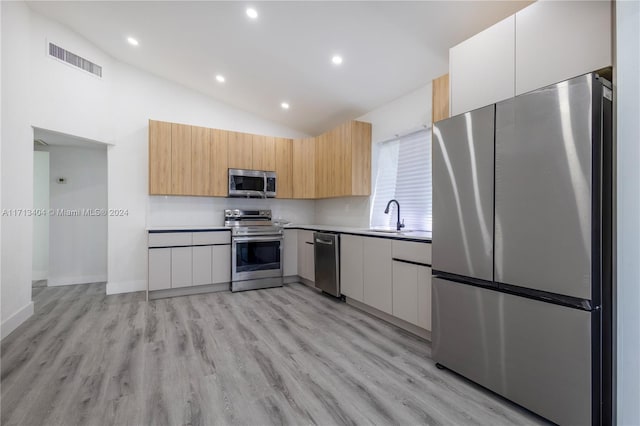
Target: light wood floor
x=279, y=356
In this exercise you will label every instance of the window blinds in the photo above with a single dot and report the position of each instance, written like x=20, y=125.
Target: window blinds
x=404, y=173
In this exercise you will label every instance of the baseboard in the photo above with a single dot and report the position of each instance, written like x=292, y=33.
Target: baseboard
x=189, y=291
x=86, y=279
x=39, y=275
x=16, y=319
x=126, y=286
x=411, y=328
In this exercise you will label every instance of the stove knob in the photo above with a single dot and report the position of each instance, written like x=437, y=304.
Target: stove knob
x=236, y=213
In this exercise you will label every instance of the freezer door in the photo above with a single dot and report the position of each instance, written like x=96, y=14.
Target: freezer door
x=543, y=189
x=534, y=353
x=463, y=194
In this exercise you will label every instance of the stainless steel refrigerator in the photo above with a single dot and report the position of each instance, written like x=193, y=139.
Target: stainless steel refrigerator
x=522, y=249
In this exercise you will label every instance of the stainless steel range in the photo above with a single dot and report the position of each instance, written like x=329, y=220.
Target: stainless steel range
x=256, y=250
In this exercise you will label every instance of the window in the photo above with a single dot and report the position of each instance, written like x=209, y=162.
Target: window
x=404, y=173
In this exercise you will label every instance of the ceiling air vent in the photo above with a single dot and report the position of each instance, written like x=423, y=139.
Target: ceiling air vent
x=75, y=60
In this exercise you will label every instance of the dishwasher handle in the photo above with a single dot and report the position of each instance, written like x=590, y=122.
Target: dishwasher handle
x=329, y=243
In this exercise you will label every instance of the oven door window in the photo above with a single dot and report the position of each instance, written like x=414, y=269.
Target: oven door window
x=247, y=183
x=257, y=256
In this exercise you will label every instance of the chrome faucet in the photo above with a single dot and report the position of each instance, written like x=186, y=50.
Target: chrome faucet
x=386, y=211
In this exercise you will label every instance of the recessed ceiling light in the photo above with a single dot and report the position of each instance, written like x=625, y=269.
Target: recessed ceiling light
x=284, y=105
x=132, y=41
x=337, y=59
x=252, y=13
x=220, y=78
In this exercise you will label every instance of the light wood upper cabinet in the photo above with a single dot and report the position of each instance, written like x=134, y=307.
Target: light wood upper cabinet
x=181, y=159
x=201, y=161
x=343, y=161
x=440, y=98
x=284, y=167
x=191, y=160
x=264, y=153
x=219, y=177
x=159, y=157
x=240, y=150
x=304, y=168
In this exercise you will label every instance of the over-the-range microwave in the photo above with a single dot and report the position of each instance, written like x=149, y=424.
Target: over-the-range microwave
x=252, y=183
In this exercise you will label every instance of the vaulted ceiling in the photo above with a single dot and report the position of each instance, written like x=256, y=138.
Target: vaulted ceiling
x=389, y=48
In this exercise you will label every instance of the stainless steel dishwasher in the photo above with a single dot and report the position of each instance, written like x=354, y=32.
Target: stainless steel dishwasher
x=327, y=262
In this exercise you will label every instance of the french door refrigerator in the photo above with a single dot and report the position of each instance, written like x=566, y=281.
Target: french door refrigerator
x=522, y=249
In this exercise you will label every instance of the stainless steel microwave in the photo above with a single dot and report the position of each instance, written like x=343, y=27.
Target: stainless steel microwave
x=252, y=183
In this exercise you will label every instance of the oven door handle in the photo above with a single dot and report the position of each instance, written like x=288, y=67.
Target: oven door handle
x=250, y=239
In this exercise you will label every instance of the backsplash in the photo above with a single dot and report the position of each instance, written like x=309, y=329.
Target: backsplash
x=209, y=211
x=347, y=211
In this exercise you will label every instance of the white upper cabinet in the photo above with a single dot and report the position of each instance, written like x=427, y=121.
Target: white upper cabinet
x=558, y=40
x=482, y=68
x=544, y=43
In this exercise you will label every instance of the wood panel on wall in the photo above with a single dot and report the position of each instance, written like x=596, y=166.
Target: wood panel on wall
x=159, y=157
x=200, y=161
x=440, y=98
x=219, y=177
x=284, y=167
x=240, y=148
x=180, y=159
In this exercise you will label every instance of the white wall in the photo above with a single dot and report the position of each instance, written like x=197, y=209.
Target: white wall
x=628, y=211
x=41, y=222
x=208, y=211
x=78, y=244
x=403, y=115
x=116, y=109
x=17, y=167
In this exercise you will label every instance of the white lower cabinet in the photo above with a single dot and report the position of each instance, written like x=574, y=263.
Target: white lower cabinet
x=412, y=293
x=306, y=260
x=290, y=252
x=159, y=268
x=424, y=297
x=181, y=267
x=202, y=265
x=405, y=291
x=377, y=274
x=221, y=264
x=352, y=266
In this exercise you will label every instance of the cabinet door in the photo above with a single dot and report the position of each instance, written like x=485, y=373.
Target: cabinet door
x=240, y=150
x=424, y=297
x=556, y=41
x=181, y=267
x=482, y=68
x=200, y=161
x=159, y=268
x=219, y=163
x=159, y=158
x=352, y=266
x=405, y=291
x=360, y=164
x=264, y=153
x=377, y=273
x=221, y=264
x=284, y=168
x=202, y=265
x=304, y=168
x=290, y=252
x=180, y=159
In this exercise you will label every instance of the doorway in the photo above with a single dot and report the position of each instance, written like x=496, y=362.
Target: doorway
x=70, y=210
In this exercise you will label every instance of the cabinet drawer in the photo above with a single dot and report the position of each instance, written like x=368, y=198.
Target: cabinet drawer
x=169, y=239
x=411, y=251
x=220, y=237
